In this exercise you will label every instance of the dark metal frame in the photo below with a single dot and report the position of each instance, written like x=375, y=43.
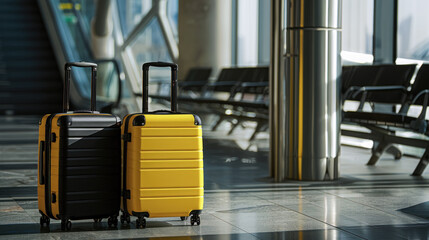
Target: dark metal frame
x=387, y=138
x=384, y=126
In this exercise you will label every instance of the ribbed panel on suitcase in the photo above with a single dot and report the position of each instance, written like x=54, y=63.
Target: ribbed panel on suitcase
x=89, y=166
x=165, y=166
x=163, y=172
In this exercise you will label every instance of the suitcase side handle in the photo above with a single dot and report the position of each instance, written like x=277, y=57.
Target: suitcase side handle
x=145, y=93
x=66, y=88
x=41, y=165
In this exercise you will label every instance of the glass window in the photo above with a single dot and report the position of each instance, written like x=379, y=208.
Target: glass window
x=264, y=32
x=150, y=46
x=413, y=34
x=78, y=42
x=107, y=81
x=76, y=17
x=131, y=13
x=357, y=21
x=173, y=16
x=86, y=9
x=75, y=41
x=247, y=32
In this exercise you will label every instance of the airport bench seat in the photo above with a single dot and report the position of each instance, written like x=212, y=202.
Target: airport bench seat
x=364, y=83
x=385, y=125
x=383, y=87
x=196, y=79
x=236, y=106
x=387, y=119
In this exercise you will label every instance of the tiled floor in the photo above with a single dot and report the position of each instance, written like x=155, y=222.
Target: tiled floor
x=241, y=202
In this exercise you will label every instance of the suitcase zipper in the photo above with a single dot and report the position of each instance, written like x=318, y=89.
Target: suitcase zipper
x=126, y=194
x=48, y=205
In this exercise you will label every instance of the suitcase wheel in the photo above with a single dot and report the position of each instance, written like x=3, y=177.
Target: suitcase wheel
x=97, y=220
x=44, y=220
x=125, y=218
x=140, y=222
x=112, y=222
x=66, y=225
x=183, y=218
x=195, y=219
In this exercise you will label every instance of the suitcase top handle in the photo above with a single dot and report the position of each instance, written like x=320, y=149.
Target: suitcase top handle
x=66, y=88
x=173, y=96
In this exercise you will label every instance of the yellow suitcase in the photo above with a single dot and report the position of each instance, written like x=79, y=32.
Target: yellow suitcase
x=162, y=161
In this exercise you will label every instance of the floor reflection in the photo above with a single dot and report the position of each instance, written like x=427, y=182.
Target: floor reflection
x=419, y=210
x=241, y=201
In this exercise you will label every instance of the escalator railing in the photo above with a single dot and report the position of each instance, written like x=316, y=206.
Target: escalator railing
x=114, y=76
x=69, y=37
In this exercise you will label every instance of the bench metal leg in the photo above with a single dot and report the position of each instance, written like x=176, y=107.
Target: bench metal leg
x=422, y=164
x=266, y=127
x=234, y=126
x=382, y=146
x=394, y=150
x=218, y=122
x=258, y=128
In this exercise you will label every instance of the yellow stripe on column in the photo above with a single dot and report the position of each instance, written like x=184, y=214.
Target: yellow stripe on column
x=301, y=104
x=300, y=94
x=291, y=102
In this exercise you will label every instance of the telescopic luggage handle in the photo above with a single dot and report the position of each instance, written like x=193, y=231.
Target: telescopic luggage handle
x=173, y=96
x=66, y=89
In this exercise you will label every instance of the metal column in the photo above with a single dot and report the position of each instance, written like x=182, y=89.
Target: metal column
x=385, y=26
x=308, y=142
x=204, y=35
x=277, y=92
x=102, y=41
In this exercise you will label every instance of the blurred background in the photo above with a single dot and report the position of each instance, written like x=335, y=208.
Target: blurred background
x=203, y=37
x=235, y=60
x=38, y=37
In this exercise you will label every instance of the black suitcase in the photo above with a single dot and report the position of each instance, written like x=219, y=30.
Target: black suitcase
x=79, y=168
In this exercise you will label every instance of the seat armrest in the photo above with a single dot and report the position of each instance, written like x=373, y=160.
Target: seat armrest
x=354, y=91
x=253, y=84
x=223, y=83
x=419, y=95
x=358, y=90
x=192, y=83
x=425, y=94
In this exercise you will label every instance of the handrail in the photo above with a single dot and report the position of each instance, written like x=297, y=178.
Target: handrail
x=115, y=62
x=81, y=30
x=424, y=93
x=121, y=79
x=65, y=45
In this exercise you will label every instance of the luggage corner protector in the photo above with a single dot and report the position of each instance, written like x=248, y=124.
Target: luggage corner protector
x=118, y=121
x=64, y=121
x=139, y=120
x=197, y=120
